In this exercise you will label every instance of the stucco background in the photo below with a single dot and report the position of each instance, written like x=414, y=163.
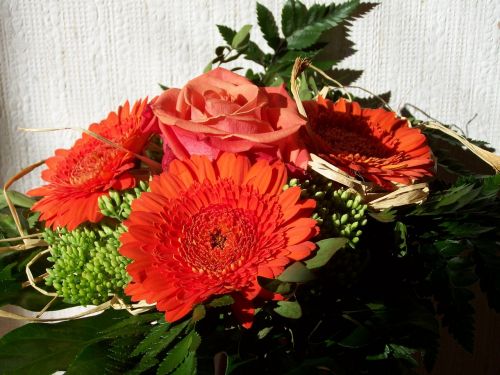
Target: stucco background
x=68, y=63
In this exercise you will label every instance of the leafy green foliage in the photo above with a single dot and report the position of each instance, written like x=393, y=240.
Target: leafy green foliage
x=460, y=247
x=302, y=33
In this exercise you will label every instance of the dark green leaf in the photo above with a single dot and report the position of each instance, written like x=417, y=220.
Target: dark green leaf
x=188, y=367
x=326, y=250
x=296, y=273
x=176, y=356
x=90, y=360
x=268, y=26
x=227, y=33
x=156, y=335
x=289, y=309
x=358, y=338
x=293, y=17
x=45, y=348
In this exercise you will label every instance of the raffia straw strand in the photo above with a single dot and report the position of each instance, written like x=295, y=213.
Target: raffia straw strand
x=374, y=95
x=23, y=247
x=298, y=67
x=339, y=85
x=46, y=307
x=102, y=307
x=36, y=280
x=12, y=209
x=153, y=164
x=115, y=302
x=34, y=235
x=488, y=157
x=31, y=279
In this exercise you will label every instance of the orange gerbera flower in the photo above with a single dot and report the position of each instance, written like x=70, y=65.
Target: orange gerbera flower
x=373, y=144
x=210, y=228
x=79, y=176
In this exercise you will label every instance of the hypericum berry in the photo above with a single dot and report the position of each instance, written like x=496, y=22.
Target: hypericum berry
x=339, y=211
x=87, y=267
x=117, y=204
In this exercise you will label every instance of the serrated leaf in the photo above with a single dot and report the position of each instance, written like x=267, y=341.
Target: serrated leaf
x=176, y=356
x=326, y=250
x=345, y=76
x=307, y=36
x=167, y=339
x=293, y=17
x=289, y=309
x=152, y=338
x=188, y=367
x=227, y=33
x=296, y=273
x=268, y=26
x=242, y=37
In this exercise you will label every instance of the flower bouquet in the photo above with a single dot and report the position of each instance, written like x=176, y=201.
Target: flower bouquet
x=269, y=222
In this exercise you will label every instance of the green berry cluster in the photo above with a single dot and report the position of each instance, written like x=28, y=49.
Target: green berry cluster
x=339, y=212
x=87, y=267
x=118, y=204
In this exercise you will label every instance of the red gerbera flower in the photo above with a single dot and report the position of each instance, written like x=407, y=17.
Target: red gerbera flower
x=210, y=228
x=369, y=143
x=79, y=176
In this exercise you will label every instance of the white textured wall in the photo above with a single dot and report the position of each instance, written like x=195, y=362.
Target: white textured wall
x=68, y=63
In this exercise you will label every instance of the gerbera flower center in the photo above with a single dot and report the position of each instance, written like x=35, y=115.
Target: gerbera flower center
x=89, y=165
x=218, y=239
x=351, y=136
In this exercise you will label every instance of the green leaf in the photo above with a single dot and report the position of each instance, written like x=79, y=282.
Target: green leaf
x=289, y=309
x=225, y=300
x=254, y=53
x=268, y=26
x=296, y=273
x=242, y=37
x=227, y=33
x=275, y=285
x=156, y=334
x=176, y=356
x=293, y=17
x=163, y=87
x=309, y=35
x=326, y=250
x=152, y=348
x=358, y=338
x=45, y=348
x=90, y=360
x=199, y=313
x=18, y=199
x=188, y=367
x=207, y=68
x=401, y=234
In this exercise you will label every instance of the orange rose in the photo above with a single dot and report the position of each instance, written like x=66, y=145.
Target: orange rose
x=223, y=111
